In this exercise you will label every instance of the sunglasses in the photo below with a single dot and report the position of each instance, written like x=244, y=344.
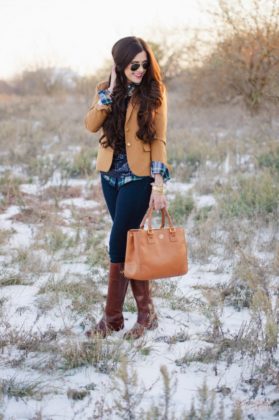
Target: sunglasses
x=136, y=66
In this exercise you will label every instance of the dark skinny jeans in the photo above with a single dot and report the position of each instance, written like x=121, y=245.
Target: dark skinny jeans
x=127, y=206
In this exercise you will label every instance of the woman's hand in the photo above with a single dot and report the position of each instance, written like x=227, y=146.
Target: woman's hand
x=112, y=78
x=157, y=201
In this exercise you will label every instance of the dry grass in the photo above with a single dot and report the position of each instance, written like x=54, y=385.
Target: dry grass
x=10, y=190
x=102, y=354
x=13, y=387
x=36, y=211
x=226, y=154
x=83, y=292
x=249, y=197
x=61, y=192
x=5, y=234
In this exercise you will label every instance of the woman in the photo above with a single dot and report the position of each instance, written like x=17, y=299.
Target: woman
x=131, y=110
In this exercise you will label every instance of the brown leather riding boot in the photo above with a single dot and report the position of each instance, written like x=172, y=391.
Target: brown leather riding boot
x=147, y=318
x=112, y=319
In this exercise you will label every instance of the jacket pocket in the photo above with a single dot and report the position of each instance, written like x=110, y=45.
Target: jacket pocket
x=146, y=147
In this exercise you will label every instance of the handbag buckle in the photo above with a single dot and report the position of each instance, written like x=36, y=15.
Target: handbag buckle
x=172, y=236
x=150, y=236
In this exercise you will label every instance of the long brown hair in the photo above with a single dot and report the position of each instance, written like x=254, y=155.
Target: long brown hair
x=148, y=94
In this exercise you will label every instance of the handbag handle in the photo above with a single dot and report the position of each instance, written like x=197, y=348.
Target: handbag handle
x=148, y=215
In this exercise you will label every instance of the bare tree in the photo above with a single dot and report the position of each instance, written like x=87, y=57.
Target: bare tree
x=177, y=50
x=247, y=49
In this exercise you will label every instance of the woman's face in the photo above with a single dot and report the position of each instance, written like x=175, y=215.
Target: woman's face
x=136, y=76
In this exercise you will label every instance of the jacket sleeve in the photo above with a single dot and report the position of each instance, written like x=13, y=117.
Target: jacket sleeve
x=97, y=113
x=158, y=145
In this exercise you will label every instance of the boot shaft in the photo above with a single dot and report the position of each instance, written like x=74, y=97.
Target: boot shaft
x=142, y=294
x=117, y=289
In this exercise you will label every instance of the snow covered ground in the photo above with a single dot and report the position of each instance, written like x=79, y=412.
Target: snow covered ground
x=210, y=352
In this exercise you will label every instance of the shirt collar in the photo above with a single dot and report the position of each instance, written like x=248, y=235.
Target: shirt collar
x=131, y=88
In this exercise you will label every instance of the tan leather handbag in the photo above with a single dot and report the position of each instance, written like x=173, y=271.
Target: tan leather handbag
x=156, y=253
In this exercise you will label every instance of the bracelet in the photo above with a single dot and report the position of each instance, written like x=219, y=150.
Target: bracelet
x=159, y=188
x=157, y=185
x=159, y=192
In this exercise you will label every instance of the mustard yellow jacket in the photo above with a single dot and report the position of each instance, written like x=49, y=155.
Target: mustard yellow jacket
x=139, y=154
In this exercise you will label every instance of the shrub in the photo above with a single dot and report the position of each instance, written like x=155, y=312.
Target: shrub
x=57, y=239
x=102, y=354
x=10, y=190
x=81, y=165
x=250, y=197
x=270, y=160
x=180, y=208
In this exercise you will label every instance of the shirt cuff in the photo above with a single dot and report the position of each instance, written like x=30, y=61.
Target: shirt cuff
x=104, y=97
x=160, y=168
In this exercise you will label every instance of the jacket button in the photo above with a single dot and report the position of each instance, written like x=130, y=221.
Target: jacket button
x=128, y=144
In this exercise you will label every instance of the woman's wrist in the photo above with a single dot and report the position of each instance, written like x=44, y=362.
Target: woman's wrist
x=158, y=184
x=158, y=179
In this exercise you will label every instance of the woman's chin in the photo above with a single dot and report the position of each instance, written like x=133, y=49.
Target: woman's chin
x=137, y=80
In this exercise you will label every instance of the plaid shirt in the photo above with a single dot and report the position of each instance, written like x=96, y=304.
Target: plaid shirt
x=104, y=97
x=120, y=172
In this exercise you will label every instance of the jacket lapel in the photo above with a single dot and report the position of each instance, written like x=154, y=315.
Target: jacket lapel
x=131, y=106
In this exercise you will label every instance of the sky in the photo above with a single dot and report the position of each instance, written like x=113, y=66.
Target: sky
x=80, y=33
